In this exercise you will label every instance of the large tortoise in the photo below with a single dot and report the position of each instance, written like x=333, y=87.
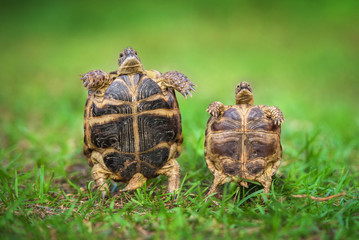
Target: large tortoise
x=132, y=125
x=243, y=141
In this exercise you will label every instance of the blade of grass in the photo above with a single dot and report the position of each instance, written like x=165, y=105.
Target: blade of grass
x=249, y=196
x=16, y=185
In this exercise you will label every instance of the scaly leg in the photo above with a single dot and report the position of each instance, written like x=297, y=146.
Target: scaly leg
x=274, y=113
x=275, y=167
x=100, y=176
x=244, y=184
x=135, y=182
x=266, y=181
x=177, y=81
x=216, y=109
x=96, y=79
x=219, y=179
x=99, y=173
x=172, y=170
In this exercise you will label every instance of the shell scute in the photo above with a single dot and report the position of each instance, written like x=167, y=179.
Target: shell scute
x=225, y=125
x=257, y=120
x=160, y=103
x=116, y=161
x=155, y=157
x=117, y=134
x=147, y=170
x=260, y=145
x=154, y=129
x=119, y=90
x=227, y=145
x=232, y=168
x=111, y=109
x=128, y=172
x=255, y=167
x=147, y=88
x=233, y=113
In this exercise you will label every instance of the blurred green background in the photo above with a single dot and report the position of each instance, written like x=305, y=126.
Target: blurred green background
x=301, y=56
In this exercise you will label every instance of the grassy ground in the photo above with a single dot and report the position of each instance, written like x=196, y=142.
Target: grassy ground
x=300, y=56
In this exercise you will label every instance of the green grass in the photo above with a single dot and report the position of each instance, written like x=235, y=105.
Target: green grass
x=300, y=56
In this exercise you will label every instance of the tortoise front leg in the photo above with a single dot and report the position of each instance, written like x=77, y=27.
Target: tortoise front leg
x=274, y=113
x=216, y=109
x=96, y=79
x=172, y=170
x=177, y=81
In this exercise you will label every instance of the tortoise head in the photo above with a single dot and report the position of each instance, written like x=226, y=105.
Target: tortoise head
x=244, y=93
x=129, y=62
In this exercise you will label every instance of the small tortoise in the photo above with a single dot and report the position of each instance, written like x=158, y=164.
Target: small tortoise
x=243, y=141
x=132, y=125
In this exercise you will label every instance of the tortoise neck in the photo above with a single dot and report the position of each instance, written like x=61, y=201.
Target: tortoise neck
x=244, y=97
x=240, y=101
x=133, y=69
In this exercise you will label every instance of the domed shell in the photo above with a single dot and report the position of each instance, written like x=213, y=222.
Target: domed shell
x=135, y=126
x=243, y=141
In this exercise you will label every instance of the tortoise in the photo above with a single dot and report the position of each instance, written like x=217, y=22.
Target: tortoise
x=132, y=123
x=242, y=141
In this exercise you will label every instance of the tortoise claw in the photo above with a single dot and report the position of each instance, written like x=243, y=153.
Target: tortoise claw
x=215, y=109
x=279, y=121
x=95, y=79
x=103, y=194
x=189, y=93
x=212, y=112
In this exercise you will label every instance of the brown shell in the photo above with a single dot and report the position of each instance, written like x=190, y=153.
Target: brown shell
x=133, y=127
x=243, y=143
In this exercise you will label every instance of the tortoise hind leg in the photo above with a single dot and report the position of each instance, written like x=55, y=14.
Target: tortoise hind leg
x=98, y=173
x=172, y=170
x=266, y=181
x=219, y=179
x=137, y=181
x=100, y=177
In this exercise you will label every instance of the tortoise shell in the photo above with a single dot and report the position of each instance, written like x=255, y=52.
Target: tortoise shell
x=243, y=143
x=134, y=126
